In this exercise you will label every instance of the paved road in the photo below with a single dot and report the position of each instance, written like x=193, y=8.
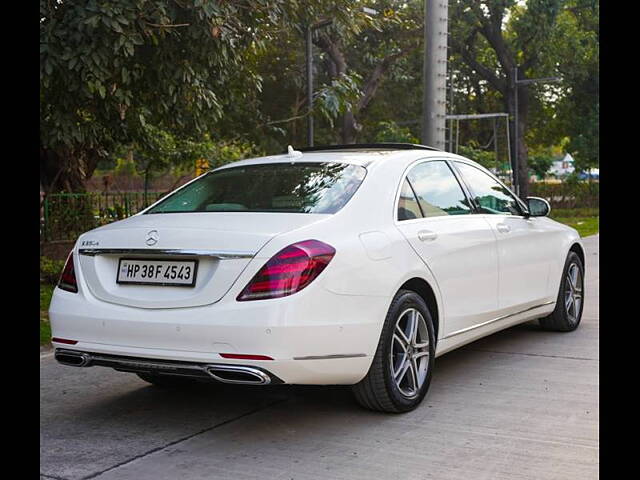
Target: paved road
x=521, y=404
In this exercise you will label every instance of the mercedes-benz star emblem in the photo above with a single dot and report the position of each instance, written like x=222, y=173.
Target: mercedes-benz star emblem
x=152, y=238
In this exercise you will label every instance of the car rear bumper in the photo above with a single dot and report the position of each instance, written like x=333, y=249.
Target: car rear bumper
x=332, y=370
x=313, y=337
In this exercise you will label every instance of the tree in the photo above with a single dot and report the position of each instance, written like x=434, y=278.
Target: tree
x=496, y=36
x=370, y=52
x=109, y=69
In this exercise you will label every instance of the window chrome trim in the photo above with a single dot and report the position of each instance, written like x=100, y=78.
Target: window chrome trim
x=503, y=317
x=219, y=254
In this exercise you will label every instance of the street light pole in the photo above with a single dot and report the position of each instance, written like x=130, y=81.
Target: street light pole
x=516, y=84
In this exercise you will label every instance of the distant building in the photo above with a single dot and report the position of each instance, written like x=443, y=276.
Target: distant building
x=562, y=167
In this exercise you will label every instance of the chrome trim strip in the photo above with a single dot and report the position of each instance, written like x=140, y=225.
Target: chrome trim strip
x=88, y=359
x=331, y=357
x=219, y=254
x=503, y=317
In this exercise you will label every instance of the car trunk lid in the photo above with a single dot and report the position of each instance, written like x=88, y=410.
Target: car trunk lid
x=222, y=243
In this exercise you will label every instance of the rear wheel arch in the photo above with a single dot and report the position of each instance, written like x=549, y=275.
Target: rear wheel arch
x=422, y=288
x=577, y=248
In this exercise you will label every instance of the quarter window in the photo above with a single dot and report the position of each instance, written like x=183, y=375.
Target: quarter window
x=491, y=196
x=438, y=190
x=408, y=207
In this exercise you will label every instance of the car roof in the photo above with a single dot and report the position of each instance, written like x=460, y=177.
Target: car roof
x=363, y=155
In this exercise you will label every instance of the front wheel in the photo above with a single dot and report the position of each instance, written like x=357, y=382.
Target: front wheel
x=570, y=302
x=400, y=373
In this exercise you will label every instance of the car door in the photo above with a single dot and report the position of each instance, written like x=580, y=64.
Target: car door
x=459, y=248
x=525, y=246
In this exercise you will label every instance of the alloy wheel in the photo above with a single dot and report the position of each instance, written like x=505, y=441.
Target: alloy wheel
x=573, y=292
x=410, y=352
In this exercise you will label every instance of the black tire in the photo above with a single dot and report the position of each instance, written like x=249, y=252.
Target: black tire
x=563, y=318
x=378, y=389
x=166, y=381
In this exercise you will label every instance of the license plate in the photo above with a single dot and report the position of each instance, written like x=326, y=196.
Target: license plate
x=176, y=273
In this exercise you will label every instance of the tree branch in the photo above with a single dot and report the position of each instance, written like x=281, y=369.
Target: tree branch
x=375, y=78
x=484, y=71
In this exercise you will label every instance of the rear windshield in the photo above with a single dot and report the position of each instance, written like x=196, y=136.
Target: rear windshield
x=276, y=187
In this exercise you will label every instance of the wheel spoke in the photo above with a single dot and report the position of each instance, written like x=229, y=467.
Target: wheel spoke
x=401, y=336
x=413, y=374
x=568, y=302
x=406, y=365
x=574, y=276
x=418, y=355
x=414, y=327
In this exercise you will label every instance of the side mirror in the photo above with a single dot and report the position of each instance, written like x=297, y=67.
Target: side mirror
x=538, y=207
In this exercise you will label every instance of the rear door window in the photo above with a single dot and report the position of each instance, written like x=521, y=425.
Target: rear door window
x=438, y=190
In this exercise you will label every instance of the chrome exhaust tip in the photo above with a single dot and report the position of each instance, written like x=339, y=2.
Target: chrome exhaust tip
x=238, y=374
x=72, y=359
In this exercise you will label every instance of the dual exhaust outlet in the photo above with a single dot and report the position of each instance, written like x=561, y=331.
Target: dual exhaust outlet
x=234, y=374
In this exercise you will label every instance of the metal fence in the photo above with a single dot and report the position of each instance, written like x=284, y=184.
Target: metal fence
x=64, y=216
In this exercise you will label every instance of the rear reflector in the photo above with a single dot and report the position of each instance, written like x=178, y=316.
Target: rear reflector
x=242, y=356
x=289, y=271
x=64, y=340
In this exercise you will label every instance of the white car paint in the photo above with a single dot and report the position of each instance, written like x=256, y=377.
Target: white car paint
x=483, y=279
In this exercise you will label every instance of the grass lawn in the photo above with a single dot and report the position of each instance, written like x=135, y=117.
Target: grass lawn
x=584, y=220
x=45, y=327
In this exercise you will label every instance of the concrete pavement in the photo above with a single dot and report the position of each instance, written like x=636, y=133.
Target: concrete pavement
x=521, y=404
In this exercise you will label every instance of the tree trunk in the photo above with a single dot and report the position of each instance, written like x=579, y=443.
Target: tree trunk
x=349, y=128
x=64, y=171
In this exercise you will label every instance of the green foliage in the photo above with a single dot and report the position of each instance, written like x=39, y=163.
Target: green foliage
x=339, y=96
x=45, y=331
x=125, y=166
x=574, y=194
x=50, y=271
x=69, y=215
x=175, y=81
x=540, y=165
x=231, y=151
x=391, y=132
x=485, y=158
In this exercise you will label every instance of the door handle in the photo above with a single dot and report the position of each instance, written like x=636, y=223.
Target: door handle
x=503, y=228
x=427, y=235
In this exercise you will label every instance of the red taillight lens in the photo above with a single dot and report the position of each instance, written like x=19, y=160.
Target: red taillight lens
x=289, y=271
x=68, y=278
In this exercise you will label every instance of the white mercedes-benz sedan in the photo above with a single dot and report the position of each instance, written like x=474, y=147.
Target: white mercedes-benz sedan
x=354, y=265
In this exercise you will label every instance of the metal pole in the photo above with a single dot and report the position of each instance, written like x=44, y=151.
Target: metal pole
x=434, y=73
x=508, y=141
x=516, y=184
x=309, y=87
x=495, y=143
x=451, y=111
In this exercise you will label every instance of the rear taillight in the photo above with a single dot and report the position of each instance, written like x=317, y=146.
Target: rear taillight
x=68, y=278
x=289, y=271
